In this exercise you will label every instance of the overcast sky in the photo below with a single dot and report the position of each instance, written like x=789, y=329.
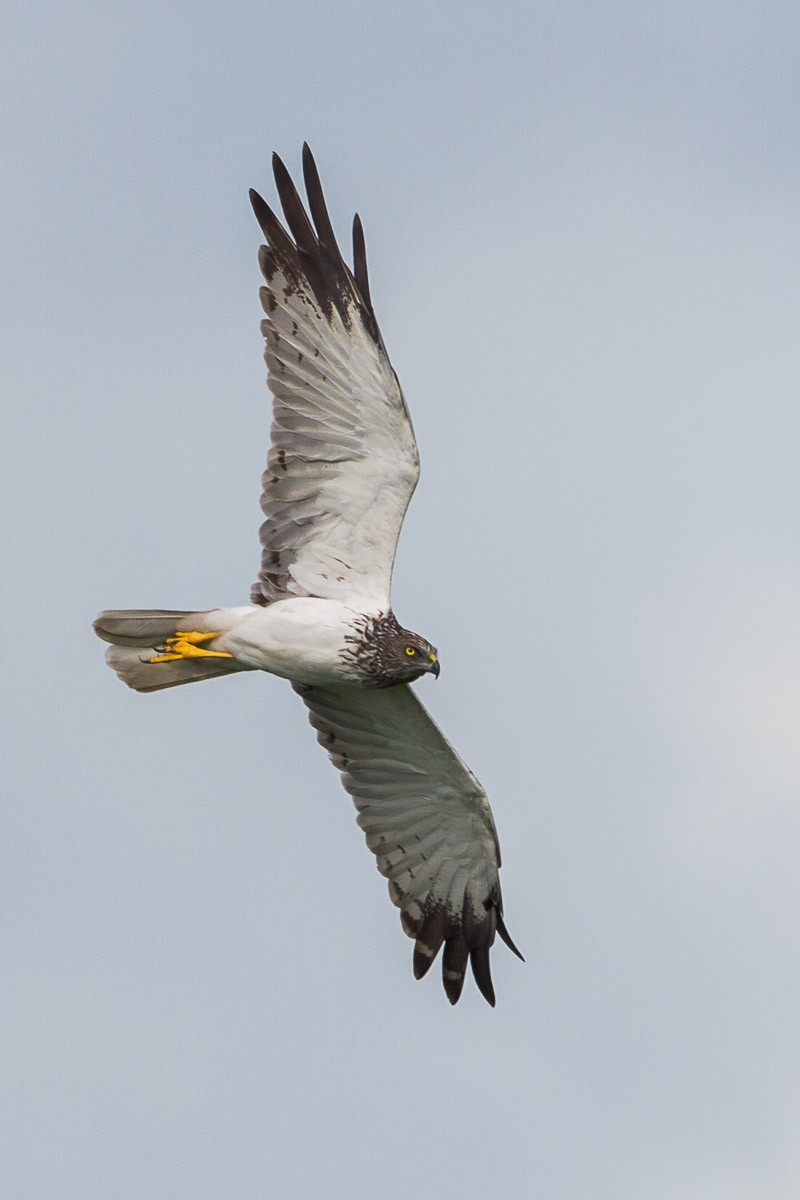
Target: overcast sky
x=582, y=224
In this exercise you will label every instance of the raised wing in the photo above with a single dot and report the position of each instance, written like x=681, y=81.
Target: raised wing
x=343, y=463
x=426, y=819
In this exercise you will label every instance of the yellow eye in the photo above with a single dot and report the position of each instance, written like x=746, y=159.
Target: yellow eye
x=410, y=651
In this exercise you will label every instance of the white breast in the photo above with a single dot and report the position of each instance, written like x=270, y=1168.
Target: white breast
x=300, y=638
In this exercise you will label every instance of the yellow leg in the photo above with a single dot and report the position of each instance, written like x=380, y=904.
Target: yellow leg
x=188, y=645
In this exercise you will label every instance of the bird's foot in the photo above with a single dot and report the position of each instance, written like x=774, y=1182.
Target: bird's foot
x=187, y=645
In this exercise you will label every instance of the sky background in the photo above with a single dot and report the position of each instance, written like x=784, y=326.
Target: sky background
x=583, y=238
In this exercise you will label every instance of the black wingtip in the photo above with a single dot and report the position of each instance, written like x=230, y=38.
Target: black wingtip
x=279, y=169
x=316, y=203
x=454, y=967
x=360, y=261
x=260, y=208
x=453, y=989
x=422, y=961
x=506, y=937
x=479, y=961
x=429, y=939
x=295, y=213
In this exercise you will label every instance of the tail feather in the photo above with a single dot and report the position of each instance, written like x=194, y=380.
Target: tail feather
x=149, y=626
x=132, y=666
x=134, y=632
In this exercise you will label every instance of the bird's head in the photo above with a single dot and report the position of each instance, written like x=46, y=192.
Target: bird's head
x=386, y=654
x=413, y=656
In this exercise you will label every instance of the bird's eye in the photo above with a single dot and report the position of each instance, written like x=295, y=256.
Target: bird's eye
x=410, y=651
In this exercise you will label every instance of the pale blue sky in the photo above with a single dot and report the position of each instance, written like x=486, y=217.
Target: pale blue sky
x=583, y=239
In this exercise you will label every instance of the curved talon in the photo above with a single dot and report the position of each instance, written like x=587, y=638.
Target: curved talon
x=186, y=644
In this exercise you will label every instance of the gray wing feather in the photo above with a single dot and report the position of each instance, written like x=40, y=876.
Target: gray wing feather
x=426, y=819
x=343, y=463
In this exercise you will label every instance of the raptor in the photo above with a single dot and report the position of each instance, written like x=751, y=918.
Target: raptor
x=341, y=470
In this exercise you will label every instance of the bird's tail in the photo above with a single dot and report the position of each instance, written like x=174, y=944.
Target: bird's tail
x=157, y=648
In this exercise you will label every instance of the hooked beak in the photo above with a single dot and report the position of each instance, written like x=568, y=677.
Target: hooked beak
x=435, y=666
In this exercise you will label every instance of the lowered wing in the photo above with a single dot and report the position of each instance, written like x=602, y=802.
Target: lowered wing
x=427, y=821
x=343, y=462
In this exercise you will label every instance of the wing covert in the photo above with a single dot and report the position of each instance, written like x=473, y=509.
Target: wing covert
x=343, y=463
x=426, y=819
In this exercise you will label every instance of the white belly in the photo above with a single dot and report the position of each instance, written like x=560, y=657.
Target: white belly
x=301, y=638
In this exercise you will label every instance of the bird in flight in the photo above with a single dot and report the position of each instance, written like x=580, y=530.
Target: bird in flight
x=341, y=470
